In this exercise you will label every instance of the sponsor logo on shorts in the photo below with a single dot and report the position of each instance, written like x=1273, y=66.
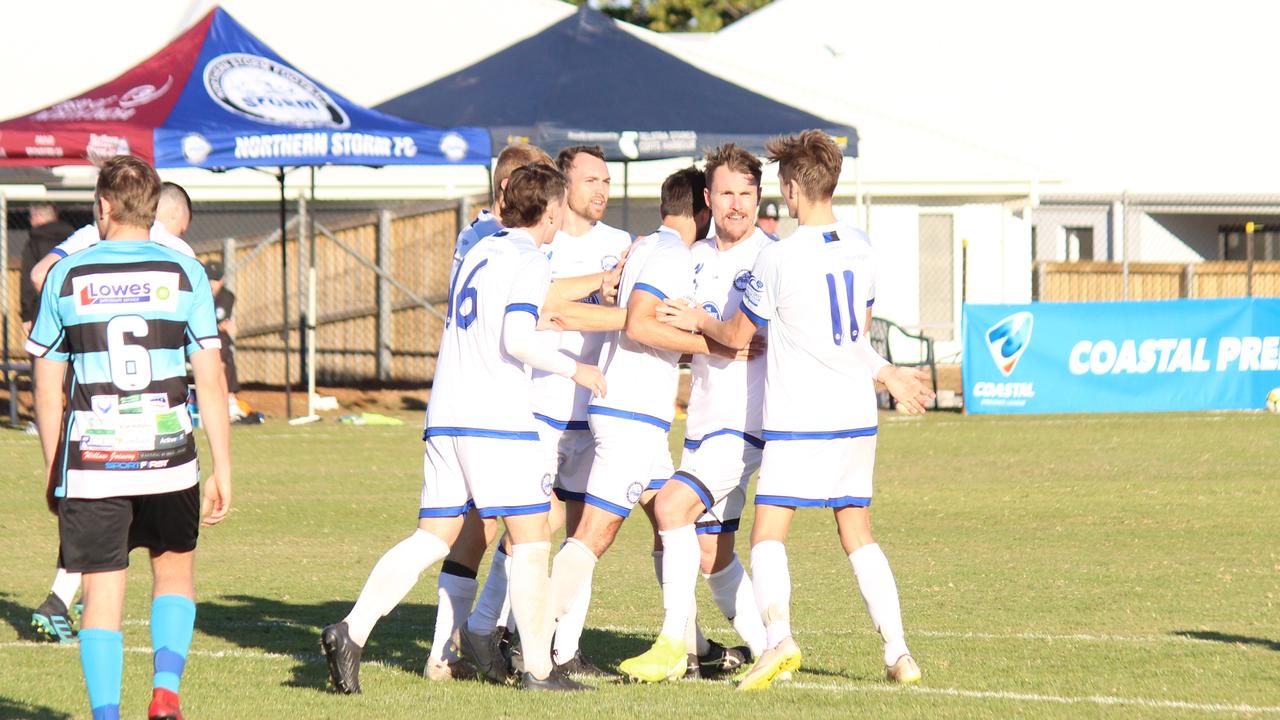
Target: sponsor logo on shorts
x=634, y=491
x=268, y=91
x=546, y=484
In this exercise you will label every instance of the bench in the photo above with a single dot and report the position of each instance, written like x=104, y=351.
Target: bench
x=883, y=334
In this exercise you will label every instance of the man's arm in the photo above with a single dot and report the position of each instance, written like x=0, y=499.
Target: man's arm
x=575, y=288
x=586, y=317
x=519, y=337
x=41, y=270
x=644, y=327
x=734, y=333
x=48, y=376
x=211, y=394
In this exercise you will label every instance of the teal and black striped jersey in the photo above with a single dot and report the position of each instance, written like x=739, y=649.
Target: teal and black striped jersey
x=126, y=315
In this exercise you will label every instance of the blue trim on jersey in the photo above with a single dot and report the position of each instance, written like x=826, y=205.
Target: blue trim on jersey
x=563, y=494
x=513, y=510
x=754, y=318
x=727, y=526
x=795, y=502
x=618, y=510
x=830, y=237
x=479, y=432
x=524, y=307
x=563, y=424
x=646, y=287
x=656, y=484
x=59, y=252
x=697, y=487
x=871, y=301
x=446, y=512
x=628, y=415
x=751, y=440
x=770, y=435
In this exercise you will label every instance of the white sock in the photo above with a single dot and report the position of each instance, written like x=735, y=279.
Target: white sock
x=454, y=595
x=880, y=593
x=570, y=595
x=771, y=580
x=731, y=589
x=392, y=578
x=694, y=641
x=493, y=597
x=529, y=585
x=65, y=585
x=680, y=555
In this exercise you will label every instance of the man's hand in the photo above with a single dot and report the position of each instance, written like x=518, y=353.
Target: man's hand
x=552, y=321
x=50, y=499
x=590, y=377
x=609, y=286
x=759, y=345
x=682, y=314
x=909, y=388
x=217, y=499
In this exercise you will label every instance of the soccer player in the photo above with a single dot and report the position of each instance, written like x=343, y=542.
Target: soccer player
x=481, y=438
x=127, y=314
x=815, y=290
x=722, y=437
x=52, y=621
x=631, y=424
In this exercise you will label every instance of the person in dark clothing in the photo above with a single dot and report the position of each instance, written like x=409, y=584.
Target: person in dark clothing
x=223, y=302
x=46, y=232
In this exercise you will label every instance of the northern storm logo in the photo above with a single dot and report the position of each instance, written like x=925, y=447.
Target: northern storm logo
x=270, y=92
x=1008, y=339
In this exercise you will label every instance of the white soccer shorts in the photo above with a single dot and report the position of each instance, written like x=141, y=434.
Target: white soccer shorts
x=717, y=468
x=829, y=473
x=629, y=455
x=496, y=476
x=568, y=449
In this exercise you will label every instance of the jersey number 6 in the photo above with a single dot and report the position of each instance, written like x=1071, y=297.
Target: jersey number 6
x=458, y=298
x=130, y=363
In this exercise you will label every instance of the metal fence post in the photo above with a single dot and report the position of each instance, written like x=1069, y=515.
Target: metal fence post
x=1189, y=281
x=1248, y=249
x=384, y=297
x=229, y=263
x=1124, y=248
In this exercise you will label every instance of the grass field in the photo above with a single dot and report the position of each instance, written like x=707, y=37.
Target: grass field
x=1048, y=567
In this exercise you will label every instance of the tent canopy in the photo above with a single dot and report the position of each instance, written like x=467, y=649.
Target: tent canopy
x=586, y=80
x=217, y=97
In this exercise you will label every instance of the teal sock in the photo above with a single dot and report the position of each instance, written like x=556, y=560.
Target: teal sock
x=102, y=659
x=173, y=619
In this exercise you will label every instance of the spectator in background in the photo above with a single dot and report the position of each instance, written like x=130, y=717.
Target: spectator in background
x=46, y=232
x=768, y=218
x=223, y=301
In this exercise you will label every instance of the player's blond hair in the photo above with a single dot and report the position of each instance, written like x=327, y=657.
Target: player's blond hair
x=512, y=157
x=811, y=158
x=133, y=188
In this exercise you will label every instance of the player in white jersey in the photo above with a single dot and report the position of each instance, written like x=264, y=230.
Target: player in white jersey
x=815, y=290
x=52, y=620
x=481, y=438
x=704, y=499
x=631, y=429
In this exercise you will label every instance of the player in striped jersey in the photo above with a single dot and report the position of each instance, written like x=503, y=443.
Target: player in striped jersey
x=815, y=290
x=127, y=314
x=52, y=620
x=481, y=438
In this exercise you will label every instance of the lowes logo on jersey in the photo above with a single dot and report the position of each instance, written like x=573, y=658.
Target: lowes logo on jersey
x=110, y=293
x=1008, y=340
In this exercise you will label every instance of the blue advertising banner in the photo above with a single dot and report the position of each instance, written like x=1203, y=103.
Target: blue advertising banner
x=1121, y=357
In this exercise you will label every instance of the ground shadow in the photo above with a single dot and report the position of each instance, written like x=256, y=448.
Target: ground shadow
x=413, y=402
x=1211, y=636
x=18, y=616
x=401, y=640
x=10, y=708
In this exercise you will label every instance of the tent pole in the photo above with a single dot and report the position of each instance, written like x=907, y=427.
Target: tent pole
x=284, y=297
x=311, y=304
x=626, y=195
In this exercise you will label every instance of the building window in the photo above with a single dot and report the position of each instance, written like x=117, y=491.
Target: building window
x=1233, y=245
x=1079, y=243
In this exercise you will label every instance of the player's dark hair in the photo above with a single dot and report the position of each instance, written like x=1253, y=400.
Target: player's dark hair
x=133, y=187
x=811, y=158
x=682, y=193
x=530, y=190
x=565, y=158
x=735, y=158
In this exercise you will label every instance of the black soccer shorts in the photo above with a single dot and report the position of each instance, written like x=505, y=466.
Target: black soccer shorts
x=97, y=535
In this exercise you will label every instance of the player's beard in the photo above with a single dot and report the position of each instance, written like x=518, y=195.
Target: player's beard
x=584, y=208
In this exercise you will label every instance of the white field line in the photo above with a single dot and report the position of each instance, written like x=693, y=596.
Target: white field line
x=1003, y=695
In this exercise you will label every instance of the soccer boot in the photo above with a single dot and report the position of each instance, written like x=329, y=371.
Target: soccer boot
x=783, y=657
x=692, y=670
x=164, y=705
x=51, y=622
x=582, y=667
x=904, y=672
x=557, y=681
x=721, y=661
x=665, y=660
x=511, y=652
x=484, y=652
x=343, y=655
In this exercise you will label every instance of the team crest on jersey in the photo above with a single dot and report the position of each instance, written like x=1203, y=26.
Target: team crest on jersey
x=112, y=293
x=633, y=492
x=712, y=309
x=546, y=484
x=105, y=404
x=741, y=280
x=608, y=262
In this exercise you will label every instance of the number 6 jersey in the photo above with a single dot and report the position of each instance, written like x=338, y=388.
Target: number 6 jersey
x=125, y=314
x=813, y=290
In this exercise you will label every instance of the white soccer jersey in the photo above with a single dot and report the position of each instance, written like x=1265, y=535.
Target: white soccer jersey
x=727, y=396
x=480, y=390
x=641, y=379
x=558, y=400
x=485, y=224
x=87, y=237
x=813, y=290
